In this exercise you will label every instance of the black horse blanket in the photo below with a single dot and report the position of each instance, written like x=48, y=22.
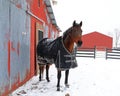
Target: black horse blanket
x=53, y=51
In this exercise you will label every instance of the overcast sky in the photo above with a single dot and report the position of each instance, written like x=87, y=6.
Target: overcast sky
x=97, y=15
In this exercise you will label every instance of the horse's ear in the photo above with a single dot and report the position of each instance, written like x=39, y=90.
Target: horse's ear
x=74, y=23
x=80, y=23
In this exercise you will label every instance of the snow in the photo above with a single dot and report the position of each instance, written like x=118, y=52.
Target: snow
x=92, y=77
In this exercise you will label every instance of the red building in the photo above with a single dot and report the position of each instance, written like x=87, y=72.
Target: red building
x=43, y=24
x=98, y=40
x=22, y=24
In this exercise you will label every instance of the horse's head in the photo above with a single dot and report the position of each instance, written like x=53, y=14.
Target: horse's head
x=75, y=33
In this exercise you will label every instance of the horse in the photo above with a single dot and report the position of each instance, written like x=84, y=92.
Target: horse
x=60, y=51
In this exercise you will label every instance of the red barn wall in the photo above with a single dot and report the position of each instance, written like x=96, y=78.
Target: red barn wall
x=44, y=21
x=97, y=39
x=19, y=23
x=39, y=13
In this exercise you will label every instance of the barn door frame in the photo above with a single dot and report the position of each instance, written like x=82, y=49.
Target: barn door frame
x=39, y=36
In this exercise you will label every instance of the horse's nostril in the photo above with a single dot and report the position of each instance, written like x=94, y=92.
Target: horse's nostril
x=79, y=43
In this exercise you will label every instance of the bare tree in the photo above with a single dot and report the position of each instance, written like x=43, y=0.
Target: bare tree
x=117, y=37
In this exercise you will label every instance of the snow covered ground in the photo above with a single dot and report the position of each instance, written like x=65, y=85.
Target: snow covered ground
x=92, y=77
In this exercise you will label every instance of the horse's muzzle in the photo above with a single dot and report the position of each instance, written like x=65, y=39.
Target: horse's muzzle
x=79, y=43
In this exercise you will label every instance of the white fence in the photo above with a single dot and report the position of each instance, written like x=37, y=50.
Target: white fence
x=94, y=53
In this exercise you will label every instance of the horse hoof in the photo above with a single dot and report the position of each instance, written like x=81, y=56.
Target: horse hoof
x=67, y=85
x=41, y=79
x=48, y=80
x=58, y=89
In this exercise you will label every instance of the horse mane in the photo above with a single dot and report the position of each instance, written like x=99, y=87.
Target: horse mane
x=65, y=34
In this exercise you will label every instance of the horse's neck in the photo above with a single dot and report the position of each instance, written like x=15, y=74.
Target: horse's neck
x=69, y=45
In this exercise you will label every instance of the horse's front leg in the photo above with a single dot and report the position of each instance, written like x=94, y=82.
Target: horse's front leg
x=47, y=72
x=66, y=78
x=58, y=77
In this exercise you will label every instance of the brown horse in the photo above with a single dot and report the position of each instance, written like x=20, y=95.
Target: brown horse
x=60, y=51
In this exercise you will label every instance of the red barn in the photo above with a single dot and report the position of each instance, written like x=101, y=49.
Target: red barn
x=98, y=40
x=43, y=24
x=22, y=24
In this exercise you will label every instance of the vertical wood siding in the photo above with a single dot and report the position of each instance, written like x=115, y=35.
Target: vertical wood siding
x=14, y=45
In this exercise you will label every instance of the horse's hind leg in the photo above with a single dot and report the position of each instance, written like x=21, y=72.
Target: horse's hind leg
x=41, y=69
x=47, y=72
x=66, y=78
x=58, y=77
